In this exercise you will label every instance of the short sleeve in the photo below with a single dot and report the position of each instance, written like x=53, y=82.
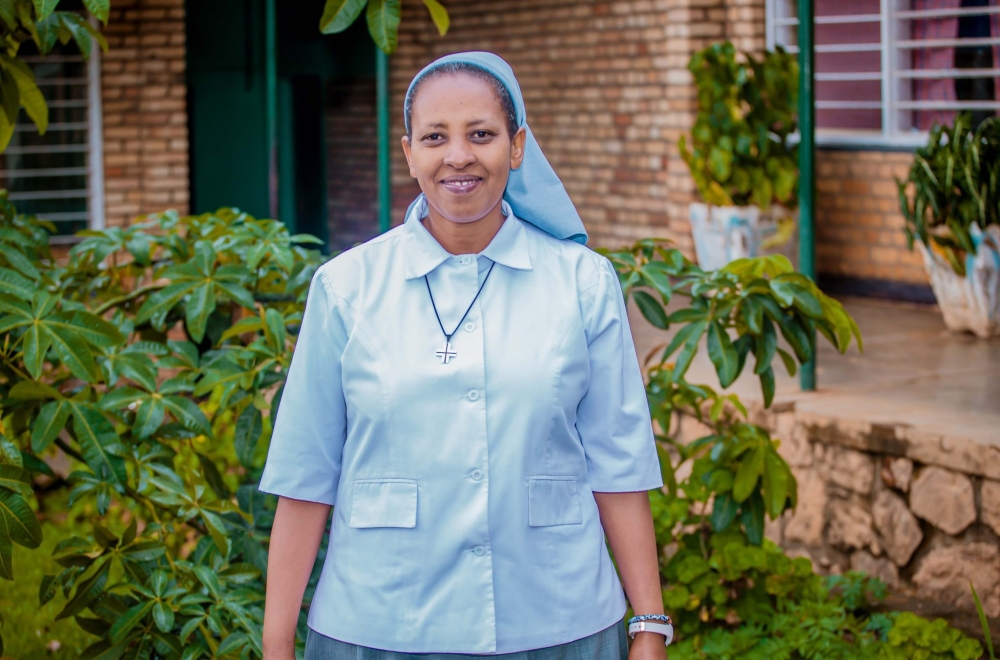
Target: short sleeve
x=305, y=456
x=613, y=416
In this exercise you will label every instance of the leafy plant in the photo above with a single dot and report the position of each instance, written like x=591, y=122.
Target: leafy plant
x=382, y=17
x=38, y=21
x=732, y=592
x=952, y=191
x=152, y=361
x=740, y=152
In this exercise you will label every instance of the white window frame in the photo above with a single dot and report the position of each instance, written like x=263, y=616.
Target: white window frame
x=893, y=76
x=94, y=147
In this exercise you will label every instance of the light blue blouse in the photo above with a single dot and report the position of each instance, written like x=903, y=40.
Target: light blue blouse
x=464, y=520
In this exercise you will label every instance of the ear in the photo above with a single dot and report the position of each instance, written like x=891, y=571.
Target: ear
x=517, y=148
x=409, y=156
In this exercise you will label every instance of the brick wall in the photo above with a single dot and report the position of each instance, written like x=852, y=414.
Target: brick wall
x=859, y=229
x=607, y=94
x=352, y=162
x=145, y=113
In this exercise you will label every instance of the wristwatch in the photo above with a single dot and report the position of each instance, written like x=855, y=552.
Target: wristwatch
x=643, y=623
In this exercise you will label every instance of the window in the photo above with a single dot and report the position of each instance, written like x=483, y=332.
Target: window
x=887, y=70
x=58, y=176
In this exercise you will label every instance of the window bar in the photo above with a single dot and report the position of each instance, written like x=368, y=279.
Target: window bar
x=945, y=13
x=95, y=155
x=888, y=89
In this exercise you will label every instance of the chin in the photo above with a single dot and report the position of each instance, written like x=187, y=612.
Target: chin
x=463, y=212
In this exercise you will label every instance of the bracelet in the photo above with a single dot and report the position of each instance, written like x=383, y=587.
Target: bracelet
x=638, y=624
x=650, y=617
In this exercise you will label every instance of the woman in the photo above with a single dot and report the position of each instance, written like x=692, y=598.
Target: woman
x=466, y=391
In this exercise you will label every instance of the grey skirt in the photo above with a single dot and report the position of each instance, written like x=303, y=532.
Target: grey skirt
x=608, y=644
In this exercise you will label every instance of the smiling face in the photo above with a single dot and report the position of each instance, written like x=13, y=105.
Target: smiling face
x=459, y=149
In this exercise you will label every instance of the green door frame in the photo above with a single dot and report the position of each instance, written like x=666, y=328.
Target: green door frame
x=807, y=165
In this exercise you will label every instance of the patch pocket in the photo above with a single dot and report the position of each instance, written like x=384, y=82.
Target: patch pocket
x=384, y=503
x=553, y=500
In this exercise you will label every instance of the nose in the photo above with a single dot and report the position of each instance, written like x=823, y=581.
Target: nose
x=459, y=154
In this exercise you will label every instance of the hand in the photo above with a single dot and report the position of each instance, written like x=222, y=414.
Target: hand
x=647, y=646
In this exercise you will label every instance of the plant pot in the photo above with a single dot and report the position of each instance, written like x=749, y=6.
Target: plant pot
x=725, y=233
x=972, y=302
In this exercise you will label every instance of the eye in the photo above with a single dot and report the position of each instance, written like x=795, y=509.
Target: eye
x=482, y=134
x=433, y=137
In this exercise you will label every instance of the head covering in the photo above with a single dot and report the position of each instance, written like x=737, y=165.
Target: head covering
x=534, y=192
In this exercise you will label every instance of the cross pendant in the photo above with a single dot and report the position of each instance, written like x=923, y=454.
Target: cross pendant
x=446, y=353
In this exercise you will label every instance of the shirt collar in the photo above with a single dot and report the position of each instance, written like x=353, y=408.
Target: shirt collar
x=423, y=253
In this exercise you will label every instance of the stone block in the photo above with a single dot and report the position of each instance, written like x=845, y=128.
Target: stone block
x=878, y=567
x=807, y=522
x=898, y=529
x=847, y=468
x=944, y=576
x=897, y=473
x=851, y=526
x=990, y=505
x=944, y=499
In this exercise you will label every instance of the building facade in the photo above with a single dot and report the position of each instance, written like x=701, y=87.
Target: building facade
x=183, y=112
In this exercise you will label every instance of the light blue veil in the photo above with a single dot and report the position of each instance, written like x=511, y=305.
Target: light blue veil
x=534, y=192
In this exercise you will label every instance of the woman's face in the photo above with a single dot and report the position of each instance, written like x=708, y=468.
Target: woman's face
x=460, y=152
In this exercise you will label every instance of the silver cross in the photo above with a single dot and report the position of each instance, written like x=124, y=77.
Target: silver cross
x=446, y=353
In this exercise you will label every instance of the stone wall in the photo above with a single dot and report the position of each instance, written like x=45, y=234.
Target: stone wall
x=919, y=510
x=145, y=111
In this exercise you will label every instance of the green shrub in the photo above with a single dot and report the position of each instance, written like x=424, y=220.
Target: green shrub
x=153, y=363
x=952, y=191
x=731, y=592
x=740, y=152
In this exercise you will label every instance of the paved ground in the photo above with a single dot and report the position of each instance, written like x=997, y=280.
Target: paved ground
x=912, y=371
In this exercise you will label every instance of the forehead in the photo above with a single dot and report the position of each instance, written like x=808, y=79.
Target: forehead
x=454, y=95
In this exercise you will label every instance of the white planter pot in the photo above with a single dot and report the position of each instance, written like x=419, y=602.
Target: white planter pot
x=972, y=302
x=725, y=233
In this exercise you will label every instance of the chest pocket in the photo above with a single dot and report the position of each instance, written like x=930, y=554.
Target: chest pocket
x=553, y=500
x=384, y=503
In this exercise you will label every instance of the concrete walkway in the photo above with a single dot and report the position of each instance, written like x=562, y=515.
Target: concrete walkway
x=912, y=373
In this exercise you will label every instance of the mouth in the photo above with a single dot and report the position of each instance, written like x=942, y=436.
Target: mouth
x=462, y=184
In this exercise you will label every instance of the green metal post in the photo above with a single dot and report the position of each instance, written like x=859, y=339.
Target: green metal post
x=807, y=163
x=271, y=102
x=384, y=179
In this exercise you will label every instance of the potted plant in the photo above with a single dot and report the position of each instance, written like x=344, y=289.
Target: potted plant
x=741, y=156
x=951, y=204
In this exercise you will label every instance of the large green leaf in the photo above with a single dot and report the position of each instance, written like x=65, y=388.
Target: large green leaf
x=149, y=415
x=188, y=413
x=775, y=482
x=31, y=100
x=99, y=8
x=249, y=426
x=383, y=23
x=12, y=477
x=338, y=15
x=748, y=473
x=17, y=521
x=50, y=422
x=200, y=304
x=439, y=15
x=86, y=592
x=723, y=354
x=651, y=309
x=73, y=352
x=44, y=8
x=124, y=624
x=98, y=441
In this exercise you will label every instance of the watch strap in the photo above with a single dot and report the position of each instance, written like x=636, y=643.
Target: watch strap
x=665, y=629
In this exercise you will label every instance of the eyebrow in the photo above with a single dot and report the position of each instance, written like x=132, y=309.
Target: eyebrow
x=474, y=122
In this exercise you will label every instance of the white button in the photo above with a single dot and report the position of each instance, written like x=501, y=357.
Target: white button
x=479, y=550
x=470, y=326
x=477, y=475
x=473, y=395
x=465, y=260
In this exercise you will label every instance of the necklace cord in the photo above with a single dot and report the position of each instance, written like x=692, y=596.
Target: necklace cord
x=447, y=336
